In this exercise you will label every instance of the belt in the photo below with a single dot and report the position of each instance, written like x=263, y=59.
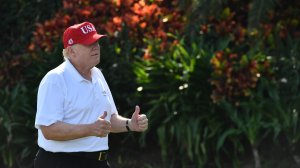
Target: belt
x=99, y=155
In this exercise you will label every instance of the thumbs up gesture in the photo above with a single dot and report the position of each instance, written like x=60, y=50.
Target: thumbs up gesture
x=103, y=115
x=101, y=127
x=138, y=122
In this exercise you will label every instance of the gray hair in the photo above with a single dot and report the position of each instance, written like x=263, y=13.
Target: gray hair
x=65, y=55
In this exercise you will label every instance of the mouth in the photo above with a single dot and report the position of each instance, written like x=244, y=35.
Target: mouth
x=95, y=55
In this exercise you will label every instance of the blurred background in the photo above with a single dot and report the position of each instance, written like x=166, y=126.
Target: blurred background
x=218, y=79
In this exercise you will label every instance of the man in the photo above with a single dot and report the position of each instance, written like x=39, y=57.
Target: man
x=75, y=108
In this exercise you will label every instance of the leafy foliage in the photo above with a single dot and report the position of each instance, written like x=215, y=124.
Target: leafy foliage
x=174, y=85
x=143, y=20
x=175, y=59
x=235, y=76
x=16, y=130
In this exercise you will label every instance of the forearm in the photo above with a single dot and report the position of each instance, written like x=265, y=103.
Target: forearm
x=136, y=123
x=62, y=131
x=118, y=123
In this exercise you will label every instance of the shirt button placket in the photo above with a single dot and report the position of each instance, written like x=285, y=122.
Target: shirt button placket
x=95, y=91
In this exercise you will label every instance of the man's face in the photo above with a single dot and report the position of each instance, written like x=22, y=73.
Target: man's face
x=87, y=55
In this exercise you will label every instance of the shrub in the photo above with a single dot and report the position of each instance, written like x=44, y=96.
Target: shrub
x=174, y=86
x=17, y=133
x=140, y=19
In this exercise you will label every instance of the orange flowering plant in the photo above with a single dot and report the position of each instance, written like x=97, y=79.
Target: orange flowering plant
x=143, y=19
x=235, y=76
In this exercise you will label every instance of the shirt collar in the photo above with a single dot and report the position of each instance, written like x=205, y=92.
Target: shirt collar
x=75, y=74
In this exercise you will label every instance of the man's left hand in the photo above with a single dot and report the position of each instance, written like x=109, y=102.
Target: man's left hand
x=138, y=122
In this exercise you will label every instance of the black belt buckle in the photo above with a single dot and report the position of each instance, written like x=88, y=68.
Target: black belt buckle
x=102, y=156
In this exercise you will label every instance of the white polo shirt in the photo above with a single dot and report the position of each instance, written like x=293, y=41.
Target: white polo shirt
x=64, y=95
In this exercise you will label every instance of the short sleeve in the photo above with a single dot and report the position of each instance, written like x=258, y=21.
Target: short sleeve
x=49, y=103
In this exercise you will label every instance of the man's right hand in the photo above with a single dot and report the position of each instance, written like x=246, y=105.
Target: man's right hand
x=101, y=127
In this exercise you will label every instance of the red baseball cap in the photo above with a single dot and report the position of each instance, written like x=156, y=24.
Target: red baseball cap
x=83, y=33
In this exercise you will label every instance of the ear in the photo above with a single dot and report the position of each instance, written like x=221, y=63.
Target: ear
x=70, y=50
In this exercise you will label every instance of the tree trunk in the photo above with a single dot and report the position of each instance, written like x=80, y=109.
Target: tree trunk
x=297, y=159
x=256, y=157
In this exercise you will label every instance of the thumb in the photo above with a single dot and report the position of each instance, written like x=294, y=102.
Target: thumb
x=104, y=115
x=136, y=112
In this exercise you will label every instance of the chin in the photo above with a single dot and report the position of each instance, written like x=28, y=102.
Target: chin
x=97, y=62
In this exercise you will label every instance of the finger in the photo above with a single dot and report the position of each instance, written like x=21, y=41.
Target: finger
x=104, y=115
x=105, y=126
x=143, y=122
x=104, y=133
x=136, y=112
x=108, y=128
x=105, y=122
x=102, y=136
x=142, y=117
x=143, y=127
